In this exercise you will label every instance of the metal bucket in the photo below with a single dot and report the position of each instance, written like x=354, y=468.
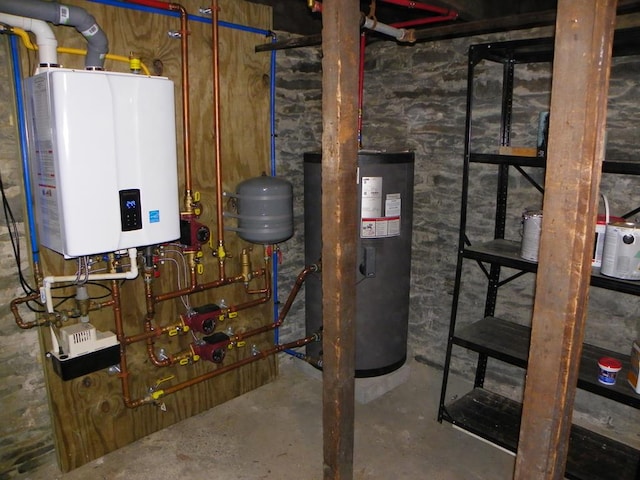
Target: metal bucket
x=531, y=228
x=621, y=252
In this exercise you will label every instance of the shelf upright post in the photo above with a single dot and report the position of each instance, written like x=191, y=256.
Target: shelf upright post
x=462, y=239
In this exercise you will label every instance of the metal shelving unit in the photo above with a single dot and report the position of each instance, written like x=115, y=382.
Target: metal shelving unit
x=482, y=412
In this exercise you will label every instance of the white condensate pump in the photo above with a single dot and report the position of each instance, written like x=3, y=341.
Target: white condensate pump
x=81, y=349
x=103, y=160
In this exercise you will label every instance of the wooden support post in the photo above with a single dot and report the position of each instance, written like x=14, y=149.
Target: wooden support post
x=584, y=35
x=340, y=47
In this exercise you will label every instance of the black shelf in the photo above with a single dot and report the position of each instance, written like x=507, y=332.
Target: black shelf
x=490, y=416
x=541, y=49
x=509, y=342
x=507, y=254
x=496, y=418
x=608, y=166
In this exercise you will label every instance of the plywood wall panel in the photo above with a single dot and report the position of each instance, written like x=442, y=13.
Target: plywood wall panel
x=88, y=413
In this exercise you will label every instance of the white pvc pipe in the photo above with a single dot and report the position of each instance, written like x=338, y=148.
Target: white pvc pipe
x=46, y=40
x=399, y=34
x=47, y=282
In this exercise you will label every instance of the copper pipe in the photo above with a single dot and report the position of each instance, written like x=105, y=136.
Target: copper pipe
x=246, y=361
x=186, y=122
x=124, y=372
x=151, y=353
x=215, y=46
x=16, y=314
x=285, y=309
x=195, y=289
x=149, y=331
x=202, y=287
x=267, y=281
x=302, y=276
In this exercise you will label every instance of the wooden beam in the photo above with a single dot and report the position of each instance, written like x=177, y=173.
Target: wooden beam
x=582, y=60
x=340, y=44
x=459, y=29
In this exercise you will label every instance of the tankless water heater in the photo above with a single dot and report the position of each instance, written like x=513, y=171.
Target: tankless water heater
x=103, y=160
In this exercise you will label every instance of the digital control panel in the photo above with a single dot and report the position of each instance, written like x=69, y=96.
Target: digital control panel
x=130, y=210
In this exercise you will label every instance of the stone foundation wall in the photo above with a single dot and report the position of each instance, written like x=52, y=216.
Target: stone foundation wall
x=415, y=99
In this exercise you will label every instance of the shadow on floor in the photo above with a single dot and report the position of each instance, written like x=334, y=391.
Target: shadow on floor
x=275, y=432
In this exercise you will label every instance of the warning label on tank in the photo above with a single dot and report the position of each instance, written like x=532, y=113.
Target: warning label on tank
x=383, y=226
x=380, y=227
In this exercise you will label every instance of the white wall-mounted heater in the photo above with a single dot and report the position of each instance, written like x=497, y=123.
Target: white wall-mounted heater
x=103, y=160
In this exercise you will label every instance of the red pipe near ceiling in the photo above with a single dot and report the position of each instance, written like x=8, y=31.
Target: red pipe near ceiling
x=425, y=21
x=151, y=3
x=363, y=44
x=421, y=6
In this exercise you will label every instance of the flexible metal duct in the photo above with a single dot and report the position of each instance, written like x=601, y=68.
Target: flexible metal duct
x=58, y=14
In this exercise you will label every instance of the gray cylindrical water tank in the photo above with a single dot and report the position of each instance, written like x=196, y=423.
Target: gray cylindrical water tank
x=382, y=280
x=265, y=210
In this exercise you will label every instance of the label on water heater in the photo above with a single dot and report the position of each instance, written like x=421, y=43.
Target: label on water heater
x=374, y=223
x=371, y=201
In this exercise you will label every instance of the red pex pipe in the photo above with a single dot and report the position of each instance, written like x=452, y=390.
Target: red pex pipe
x=421, y=6
x=425, y=21
x=152, y=3
x=363, y=45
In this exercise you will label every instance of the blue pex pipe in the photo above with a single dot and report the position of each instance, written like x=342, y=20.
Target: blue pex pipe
x=194, y=18
x=22, y=134
x=272, y=109
x=272, y=127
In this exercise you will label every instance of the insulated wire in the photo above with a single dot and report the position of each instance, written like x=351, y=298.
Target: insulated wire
x=14, y=236
x=183, y=298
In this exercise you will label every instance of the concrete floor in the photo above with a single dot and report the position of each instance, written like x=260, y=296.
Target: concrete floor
x=275, y=432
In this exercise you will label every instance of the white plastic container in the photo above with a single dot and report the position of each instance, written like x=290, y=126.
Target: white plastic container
x=609, y=368
x=531, y=229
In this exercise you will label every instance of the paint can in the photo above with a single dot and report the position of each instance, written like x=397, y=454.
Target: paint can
x=601, y=227
x=609, y=368
x=531, y=228
x=621, y=252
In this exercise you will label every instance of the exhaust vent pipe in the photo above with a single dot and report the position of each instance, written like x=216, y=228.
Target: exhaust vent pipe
x=58, y=14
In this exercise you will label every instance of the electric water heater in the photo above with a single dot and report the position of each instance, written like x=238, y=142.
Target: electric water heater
x=103, y=160
x=383, y=273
